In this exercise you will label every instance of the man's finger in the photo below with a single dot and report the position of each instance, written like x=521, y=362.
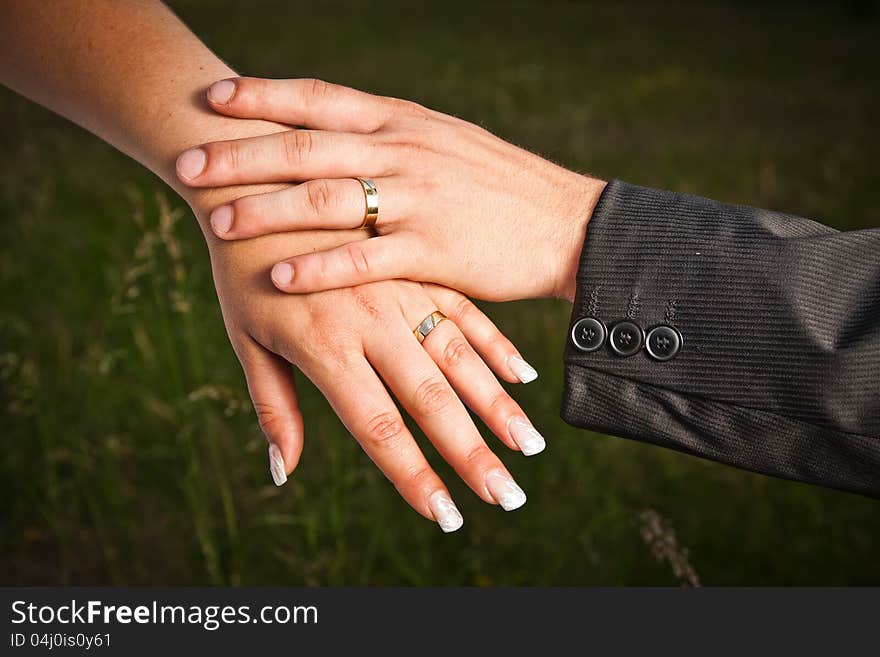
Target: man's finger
x=302, y=102
x=286, y=156
x=312, y=205
x=355, y=263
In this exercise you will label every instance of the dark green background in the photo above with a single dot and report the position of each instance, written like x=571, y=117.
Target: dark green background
x=129, y=452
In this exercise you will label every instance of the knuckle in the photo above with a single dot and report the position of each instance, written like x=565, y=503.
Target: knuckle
x=345, y=359
x=358, y=257
x=416, y=108
x=318, y=267
x=455, y=352
x=316, y=89
x=326, y=357
x=269, y=418
x=367, y=303
x=223, y=157
x=383, y=429
x=401, y=107
x=232, y=158
x=420, y=478
x=319, y=196
x=418, y=111
x=477, y=455
x=463, y=308
x=396, y=106
x=500, y=401
x=432, y=397
x=298, y=146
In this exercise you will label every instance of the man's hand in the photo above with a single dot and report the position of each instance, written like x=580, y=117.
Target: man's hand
x=457, y=205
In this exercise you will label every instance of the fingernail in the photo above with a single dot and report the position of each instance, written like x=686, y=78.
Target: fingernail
x=445, y=512
x=221, y=219
x=191, y=163
x=524, y=372
x=504, y=490
x=282, y=274
x=276, y=465
x=526, y=436
x=221, y=92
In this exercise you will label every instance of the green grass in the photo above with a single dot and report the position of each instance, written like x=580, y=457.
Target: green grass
x=129, y=452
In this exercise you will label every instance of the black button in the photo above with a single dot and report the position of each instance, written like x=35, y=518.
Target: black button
x=588, y=334
x=663, y=342
x=626, y=338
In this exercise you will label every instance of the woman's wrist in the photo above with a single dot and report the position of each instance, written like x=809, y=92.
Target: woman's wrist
x=583, y=196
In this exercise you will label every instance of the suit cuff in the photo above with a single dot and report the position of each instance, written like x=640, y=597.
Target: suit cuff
x=736, y=370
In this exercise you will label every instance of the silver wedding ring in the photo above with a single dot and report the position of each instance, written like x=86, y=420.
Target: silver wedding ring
x=427, y=325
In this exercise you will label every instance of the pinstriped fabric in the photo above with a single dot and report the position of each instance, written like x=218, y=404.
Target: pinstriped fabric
x=781, y=323
x=755, y=440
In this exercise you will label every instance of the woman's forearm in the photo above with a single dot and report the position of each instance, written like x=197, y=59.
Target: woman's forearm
x=132, y=73
x=128, y=71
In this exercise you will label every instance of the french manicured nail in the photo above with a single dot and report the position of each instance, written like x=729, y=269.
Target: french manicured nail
x=191, y=163
x=221, y=220
x=526, y=436
x=282, y=274
x=524, y=372
x=445, y=512
x=221, y=92
x=276, y=465
x=504, y=490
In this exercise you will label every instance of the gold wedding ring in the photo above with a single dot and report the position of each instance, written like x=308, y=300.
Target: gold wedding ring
x=427, y=325
x=371, y=195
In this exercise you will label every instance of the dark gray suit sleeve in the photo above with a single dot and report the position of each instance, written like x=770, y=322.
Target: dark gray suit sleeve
x=779, y=368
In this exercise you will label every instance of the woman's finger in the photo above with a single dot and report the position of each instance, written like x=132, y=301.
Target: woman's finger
x=498, y=352
x=479, y=389
x=316, y=204
x=373, y=419
x=282, y=157
x=355, y=263
x=419, y=385
x=273, y=393
x=304, y=102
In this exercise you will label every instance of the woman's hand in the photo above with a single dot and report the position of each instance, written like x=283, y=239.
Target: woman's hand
x=344, y=341
x=457, y=205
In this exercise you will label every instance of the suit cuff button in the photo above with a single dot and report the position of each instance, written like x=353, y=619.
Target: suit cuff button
x=588, y=334
x=626, y=338
x=663, y=342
